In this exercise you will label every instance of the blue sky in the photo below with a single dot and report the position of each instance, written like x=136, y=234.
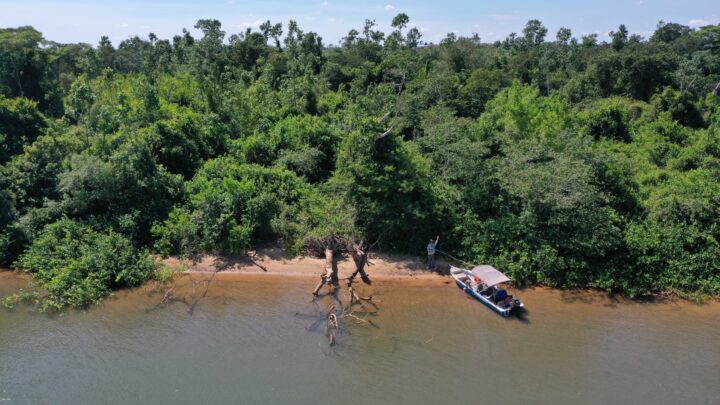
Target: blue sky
x=86, y=21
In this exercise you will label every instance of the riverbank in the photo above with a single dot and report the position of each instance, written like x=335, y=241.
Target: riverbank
x=275, y=261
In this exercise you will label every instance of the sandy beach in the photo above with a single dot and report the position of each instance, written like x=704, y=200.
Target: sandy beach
x=275, y=261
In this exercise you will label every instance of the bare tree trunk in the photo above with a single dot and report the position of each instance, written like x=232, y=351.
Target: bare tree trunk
x=359, y=255
x=331, y=261
x=684, y=89
x=716, y=90
x=330, y=274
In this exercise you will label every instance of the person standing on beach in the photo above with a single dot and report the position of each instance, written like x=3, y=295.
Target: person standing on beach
x=431, y=252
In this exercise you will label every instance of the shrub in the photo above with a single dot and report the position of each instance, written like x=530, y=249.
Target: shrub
x=75, y=266
x=609, y=123
x=231, y=206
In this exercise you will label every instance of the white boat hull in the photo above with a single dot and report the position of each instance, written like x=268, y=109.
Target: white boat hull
x=470, y=289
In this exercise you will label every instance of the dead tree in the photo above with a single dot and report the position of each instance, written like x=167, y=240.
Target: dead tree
x=359, y=255
x=330, y=274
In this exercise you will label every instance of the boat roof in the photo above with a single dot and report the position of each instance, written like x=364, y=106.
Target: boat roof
x=489, y=275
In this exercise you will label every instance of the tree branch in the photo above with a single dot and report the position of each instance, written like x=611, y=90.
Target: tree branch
x=384, y=134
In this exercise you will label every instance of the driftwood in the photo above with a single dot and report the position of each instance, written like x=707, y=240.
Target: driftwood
x=197, y=298
x=330, y=273
x=332, y=249
x=359, y=255
x=359, y=309
x=336, y=318
x=191, y=301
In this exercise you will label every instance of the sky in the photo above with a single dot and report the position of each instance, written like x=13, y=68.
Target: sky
x=86, y=20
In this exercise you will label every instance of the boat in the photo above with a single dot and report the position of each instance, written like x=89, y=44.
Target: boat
x=482, y=283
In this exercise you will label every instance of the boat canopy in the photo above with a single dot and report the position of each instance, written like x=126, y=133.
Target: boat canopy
x=489, y=275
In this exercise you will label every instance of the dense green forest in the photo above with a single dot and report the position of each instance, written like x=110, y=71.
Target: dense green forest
x=565, y=162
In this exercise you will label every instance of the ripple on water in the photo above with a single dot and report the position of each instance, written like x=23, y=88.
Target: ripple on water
x=249, y=340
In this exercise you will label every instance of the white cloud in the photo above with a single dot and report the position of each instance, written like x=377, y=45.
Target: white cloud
x=332, y=19
x=247, y=24
x=699, y=22
x=389, y=7
x=324, y=3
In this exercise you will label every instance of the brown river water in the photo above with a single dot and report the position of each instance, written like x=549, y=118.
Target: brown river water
x=260, y=340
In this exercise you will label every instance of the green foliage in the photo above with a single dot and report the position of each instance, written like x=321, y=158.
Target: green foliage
x=23, y=65
x=611, y=122
x=393, y=189
x=680, y=259
x=231, y=206
x=127, y=189
x=20, y=124
x=304, y=144
x=680, y=108
x=554, y=209
x=567, y=162
x=519, y=112
x=76, y=266
x=184, y=142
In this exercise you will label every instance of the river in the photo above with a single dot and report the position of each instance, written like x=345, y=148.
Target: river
x=256, y=339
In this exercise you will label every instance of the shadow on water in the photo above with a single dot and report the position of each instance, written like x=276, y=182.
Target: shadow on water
x=521, y=316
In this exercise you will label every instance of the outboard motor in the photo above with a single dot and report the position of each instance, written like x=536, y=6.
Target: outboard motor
x=515, y=307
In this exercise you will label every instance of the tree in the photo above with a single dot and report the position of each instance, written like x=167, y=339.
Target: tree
x=563, y=35
x=564, y=162
x=20, y=124
x=679, y=106
x=400, y=21
x=210, y=55
x=589, y=41
x=619, y=37
x=534, y=33
x=22, y=64
x=231, y=206
x=390, y=186
x=669, y=32
x=126, y=190
x=611, y=122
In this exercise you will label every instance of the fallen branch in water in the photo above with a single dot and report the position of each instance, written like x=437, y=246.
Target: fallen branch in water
x=197, y=299
x=334, y=317
x=169, y=295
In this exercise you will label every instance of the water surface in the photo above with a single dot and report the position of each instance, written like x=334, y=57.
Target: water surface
x=257, y=339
